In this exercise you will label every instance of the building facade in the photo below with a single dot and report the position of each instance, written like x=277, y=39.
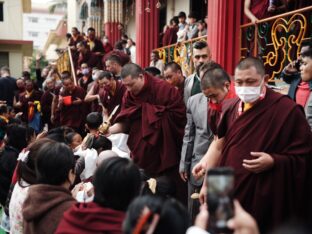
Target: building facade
x=13, y=48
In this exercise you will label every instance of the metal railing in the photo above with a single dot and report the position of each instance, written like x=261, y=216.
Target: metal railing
x=180, y=53
x=277, y=40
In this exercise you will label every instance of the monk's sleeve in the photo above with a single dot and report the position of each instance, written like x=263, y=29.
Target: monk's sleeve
x=296, y=141
x=188, y=141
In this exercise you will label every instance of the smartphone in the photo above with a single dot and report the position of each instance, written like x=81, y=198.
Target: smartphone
x=297, y=65
x=220, y=184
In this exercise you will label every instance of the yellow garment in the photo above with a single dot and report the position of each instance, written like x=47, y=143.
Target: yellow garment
x=247, y=106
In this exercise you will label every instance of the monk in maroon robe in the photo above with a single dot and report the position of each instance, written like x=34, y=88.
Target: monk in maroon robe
x=153, y=114
x=110, y=92
x=71, y=106
x=28, y=99
x=91, y=218
x=170, y=36
x=265, y=137
x=86, y=56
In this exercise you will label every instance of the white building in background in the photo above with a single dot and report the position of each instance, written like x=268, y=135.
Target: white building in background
x=38, y=24
x=13, y=47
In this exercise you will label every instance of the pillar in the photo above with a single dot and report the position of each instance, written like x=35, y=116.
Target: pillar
x=224, y=20
x=147, y=30
x=113, y=16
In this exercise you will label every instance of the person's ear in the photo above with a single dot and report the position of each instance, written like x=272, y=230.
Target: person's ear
x=71, y=177
x=266, y=78
x=227, y=85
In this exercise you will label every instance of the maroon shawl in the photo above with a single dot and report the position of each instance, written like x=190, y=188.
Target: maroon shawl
x=110, y=101
x=277, y=126
x=73, y=115
x=156, y=117
x=87, y=218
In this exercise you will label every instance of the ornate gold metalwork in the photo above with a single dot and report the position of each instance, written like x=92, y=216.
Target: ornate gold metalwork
x=280, y=43
x=287, y=33
x=180, y=53
x=63, y=63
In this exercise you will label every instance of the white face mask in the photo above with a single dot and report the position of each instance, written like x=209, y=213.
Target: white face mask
x=248, y=94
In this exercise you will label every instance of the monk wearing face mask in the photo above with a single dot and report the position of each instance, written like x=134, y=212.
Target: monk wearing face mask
x=264, y=136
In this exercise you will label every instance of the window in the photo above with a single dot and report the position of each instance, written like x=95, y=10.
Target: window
x=4, y=59
x=33, y=34
x=51, y=20
x=33, y=19
x=1, y=11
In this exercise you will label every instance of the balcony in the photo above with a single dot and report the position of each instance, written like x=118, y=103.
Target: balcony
x=277, y=40
x=180, y=53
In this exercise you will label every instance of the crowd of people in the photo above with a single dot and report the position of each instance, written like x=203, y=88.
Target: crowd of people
x=126, y=149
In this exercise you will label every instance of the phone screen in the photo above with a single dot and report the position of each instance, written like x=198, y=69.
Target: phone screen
x=220, y=182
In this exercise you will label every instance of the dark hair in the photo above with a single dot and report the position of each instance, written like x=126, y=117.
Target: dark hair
x=105, y=74
x=118, y=45
x=116, y=182
x=3, y=109
x=68, y=35
x=26, y=169
x=91, y=29
x=154, y=71
x=54, y=161
x=75, y=28
x=173, y=66
x=101, y=143
x=200, y=45
x=65, y=75
x=215, y=77
x=192, y=15
x=131, y=69
x=26, y=74
x=156, y=53
x=181, y=14
x=17, y=136
x=94, y=120
x=58, y=134
x=69, y=137
x=173, y=217
x=175, y=20
x=249, y=62
x=165, y=186
x=114, y=58
x=307, y=53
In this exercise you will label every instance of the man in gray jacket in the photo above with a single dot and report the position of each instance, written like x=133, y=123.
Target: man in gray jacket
x=196, y=141
x=201, y=55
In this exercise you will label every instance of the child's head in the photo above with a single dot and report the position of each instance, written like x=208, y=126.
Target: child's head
x=4, y=111
x=73, y=139
x=94, y=121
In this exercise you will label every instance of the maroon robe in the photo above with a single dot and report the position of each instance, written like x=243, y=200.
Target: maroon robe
x=170, y=36
x=87, y=218
x=156, y=117
x=35, y=96
x=46, y=105
x=277, y=126
x=91, y=59
x=109, y=101
x=73, y=115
